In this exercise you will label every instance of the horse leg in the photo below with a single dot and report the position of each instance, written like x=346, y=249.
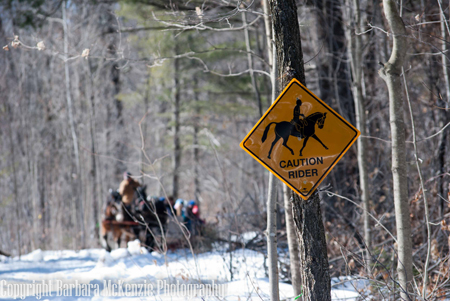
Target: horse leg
x=106, y=245
x=304, y=144
x=149, y=241
x=285, y=140
x=119, y=239
x=273, y=143
x=136, y=230
x=317, y=138
x=117, y=233
x=129, y=235
x=105, y=242
x=104, y=237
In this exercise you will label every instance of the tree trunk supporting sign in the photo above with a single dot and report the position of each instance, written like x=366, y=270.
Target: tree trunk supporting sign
x=307, y=216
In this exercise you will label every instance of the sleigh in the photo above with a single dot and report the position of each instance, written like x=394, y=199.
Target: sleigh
x=122, y=224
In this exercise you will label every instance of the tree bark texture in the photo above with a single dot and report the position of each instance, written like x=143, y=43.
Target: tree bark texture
x=287, y=40
x=391, y=74
x=313, y=248
x=307, y=215
x=445, y=114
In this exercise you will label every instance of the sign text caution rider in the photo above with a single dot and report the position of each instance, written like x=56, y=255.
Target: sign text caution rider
x=300, y=139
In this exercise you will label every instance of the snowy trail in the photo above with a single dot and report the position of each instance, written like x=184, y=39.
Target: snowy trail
x=134, y=274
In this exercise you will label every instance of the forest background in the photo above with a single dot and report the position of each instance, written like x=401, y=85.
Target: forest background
x=168, y=89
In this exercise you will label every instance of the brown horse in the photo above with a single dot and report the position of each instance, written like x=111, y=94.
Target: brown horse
x=113, y=222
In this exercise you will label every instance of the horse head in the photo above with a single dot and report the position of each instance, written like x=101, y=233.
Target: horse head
x=321, y=120
x=113, y=210
x=114, y=196
x=140, y=197
x=141, y=193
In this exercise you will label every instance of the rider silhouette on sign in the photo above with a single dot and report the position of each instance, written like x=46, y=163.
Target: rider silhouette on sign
x=296, y=121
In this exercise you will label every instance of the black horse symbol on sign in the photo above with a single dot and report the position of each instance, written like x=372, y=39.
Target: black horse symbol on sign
x=285, y=129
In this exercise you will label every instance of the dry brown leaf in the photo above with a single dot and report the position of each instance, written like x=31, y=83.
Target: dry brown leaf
x=434, y=250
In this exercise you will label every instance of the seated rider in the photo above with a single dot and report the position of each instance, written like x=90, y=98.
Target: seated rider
x=127, y=191
x=299, y=123
x=192, y=218
x=170, y=203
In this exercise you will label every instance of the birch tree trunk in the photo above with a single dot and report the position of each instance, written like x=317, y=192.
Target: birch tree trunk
x=294, y=258
x=307, y=215
x=78, y=191
x=355, y=49
x=176, y=124
x=250, y=62
x=271, y=202
x=391, y=74
x=271, y=233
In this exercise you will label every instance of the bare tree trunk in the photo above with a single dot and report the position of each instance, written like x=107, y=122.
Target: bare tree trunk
x=144, y=124
x=176, y=124
x=119, y=139
x=355, y=50
x=313, y=249
x=334, y=76
x=196, y=163
x=119, y=146
x=294, y=258
x=391, y=73
x=250, y=62
x=269, y=29
x=196, y=157
x=271, y=233
x=445, y=114
x=78, y=208
x=93, y=174
x=270, y=42
x=41, y=212
x=15, y=187
x=307, y=215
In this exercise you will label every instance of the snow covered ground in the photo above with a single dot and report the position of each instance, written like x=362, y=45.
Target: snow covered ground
x=134, y=274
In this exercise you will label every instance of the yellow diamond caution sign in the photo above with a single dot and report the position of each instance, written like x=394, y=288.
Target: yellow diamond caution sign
x=300, y=139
